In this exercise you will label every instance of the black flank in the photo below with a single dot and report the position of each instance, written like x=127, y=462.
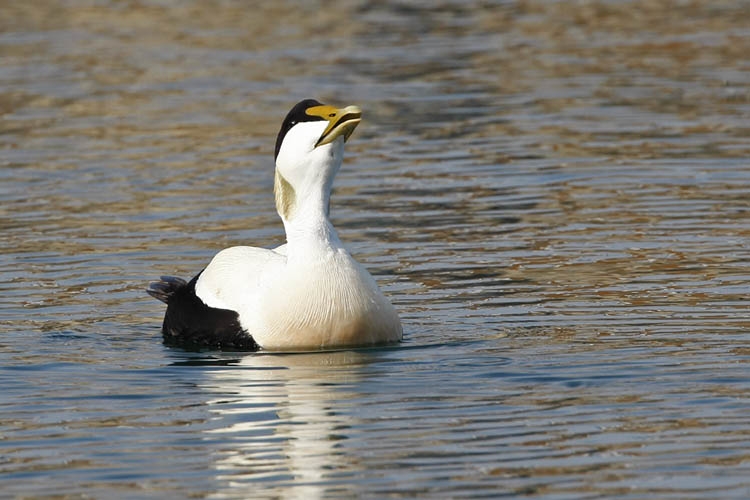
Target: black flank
x=191, y=324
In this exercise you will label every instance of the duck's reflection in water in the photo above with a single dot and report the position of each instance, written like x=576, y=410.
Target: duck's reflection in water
x=282, y=422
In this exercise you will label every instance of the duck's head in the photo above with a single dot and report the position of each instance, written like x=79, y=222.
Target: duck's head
x=309, y=151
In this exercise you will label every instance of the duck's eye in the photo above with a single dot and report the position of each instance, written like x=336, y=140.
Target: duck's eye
x=332, y=115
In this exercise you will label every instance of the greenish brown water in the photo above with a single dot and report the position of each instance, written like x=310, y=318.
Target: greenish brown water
x=555, y=195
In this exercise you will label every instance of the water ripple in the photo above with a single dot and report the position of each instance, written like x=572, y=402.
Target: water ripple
x=555, y=197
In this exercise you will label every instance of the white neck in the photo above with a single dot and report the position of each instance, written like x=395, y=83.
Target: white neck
x=303, y=197
x=311, y=230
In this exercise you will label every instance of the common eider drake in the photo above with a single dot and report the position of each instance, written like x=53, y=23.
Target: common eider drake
x=307, y=294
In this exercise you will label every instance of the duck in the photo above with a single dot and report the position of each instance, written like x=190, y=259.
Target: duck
x=306, y=294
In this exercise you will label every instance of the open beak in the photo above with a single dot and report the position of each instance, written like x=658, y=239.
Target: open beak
x=340, y=122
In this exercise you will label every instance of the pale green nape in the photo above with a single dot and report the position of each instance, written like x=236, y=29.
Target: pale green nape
x=286, y=198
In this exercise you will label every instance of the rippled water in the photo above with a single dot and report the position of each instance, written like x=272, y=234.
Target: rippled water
x=555, y=195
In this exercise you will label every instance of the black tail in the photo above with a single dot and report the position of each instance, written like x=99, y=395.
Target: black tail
x=165, y=288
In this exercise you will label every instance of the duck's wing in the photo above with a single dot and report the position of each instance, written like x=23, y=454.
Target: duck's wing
x=236, y=275
x=205, y=312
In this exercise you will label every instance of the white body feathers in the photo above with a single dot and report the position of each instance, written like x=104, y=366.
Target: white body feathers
x=287, y=303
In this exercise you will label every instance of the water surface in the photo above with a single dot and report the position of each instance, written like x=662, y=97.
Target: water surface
x=555, y=195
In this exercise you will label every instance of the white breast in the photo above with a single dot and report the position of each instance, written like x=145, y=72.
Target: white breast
x=331, y=303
